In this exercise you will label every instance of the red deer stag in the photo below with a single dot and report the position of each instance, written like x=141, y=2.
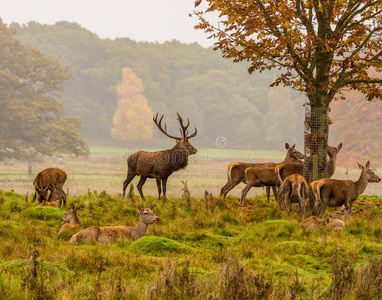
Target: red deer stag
x=50, y=179
x=236, y=170
x=285, y=169
x=161, y=164
x=112, y=234
x=334, y=193
x=294, y=189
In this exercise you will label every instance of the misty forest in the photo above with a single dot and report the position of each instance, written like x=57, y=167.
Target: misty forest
x=249, y=201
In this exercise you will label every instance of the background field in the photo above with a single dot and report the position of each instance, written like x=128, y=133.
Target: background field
x=105, y=170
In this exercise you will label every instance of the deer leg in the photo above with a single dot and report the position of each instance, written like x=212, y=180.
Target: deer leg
x=268, y=192
x=321, y=210
x=34, y=196
x=224, y=187
x=159, y=187
x=164, y=185
x=274, y=190
x=228, y=188
x=244, y=192
x=140, y=185
x=130, y=177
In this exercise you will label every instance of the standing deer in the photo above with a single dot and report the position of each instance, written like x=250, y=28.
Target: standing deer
x=161, y=164
x=49, y=180
x=294, y=189
x=112, y=234
x=285, y=169
x=334, y=193
x=236, y=170
x=258, y=177
x=70, y=221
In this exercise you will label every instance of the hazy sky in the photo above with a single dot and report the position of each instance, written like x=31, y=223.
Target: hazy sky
x=140, y=20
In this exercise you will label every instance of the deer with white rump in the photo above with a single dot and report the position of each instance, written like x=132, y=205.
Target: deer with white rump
x=112, y=234
x=334, y=193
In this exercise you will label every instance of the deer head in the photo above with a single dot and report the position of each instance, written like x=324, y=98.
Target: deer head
x=370, y=175
x=182, y=141
x=42, y=194
x=146, y=215
x=332, y=151
x=69, y=214
x=293, y=153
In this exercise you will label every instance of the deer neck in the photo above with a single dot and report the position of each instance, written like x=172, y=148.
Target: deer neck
x=331, y=166
x=361, y=183
x=178, y=158
x=74, y=220
x=139, y=230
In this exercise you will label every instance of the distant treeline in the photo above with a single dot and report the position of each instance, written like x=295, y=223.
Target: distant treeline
x=220, y=97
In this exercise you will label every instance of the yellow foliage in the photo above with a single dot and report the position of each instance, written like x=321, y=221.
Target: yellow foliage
x=133, y=118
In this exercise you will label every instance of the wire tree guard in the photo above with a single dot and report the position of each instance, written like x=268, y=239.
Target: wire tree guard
x=315, y=143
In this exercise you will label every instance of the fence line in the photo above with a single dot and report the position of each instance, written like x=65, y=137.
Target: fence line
x=94, y=176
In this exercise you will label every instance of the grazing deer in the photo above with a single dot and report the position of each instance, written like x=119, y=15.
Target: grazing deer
x=49, y=180
x=70, y=221
x=285, y=169
x=334, y=193
x=294, y=189
x=236, y=170
x=161, y=164
x=112, y=234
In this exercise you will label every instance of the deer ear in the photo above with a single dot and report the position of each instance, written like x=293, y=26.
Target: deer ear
x=140, y=207
x=293, y=146
x=152, y=205
x=287, y=146
x=368, y=164
x=339, y=146
x=71, y=206
x=359, y=165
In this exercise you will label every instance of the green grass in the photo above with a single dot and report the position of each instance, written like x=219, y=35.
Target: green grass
x=193, y=247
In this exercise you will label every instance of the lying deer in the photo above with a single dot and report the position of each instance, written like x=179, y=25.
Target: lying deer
x=70, y=220
x=334, y=221
x=161, y=164
x=48, y=203
x=294, y=189
x=236, y=171
x=285, y=169
x=334, y=193
x=112, y=234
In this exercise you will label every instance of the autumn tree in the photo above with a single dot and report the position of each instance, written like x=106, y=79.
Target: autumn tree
x=323, y=47
x=133, y=118
x=31, y=120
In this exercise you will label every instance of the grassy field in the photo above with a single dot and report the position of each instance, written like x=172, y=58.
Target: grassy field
x=202, y=248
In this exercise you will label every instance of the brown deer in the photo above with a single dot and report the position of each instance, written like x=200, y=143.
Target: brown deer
x=334, y=193
x=48, y=203
x=236, y=170
x=258, y=177
x=285, y=169
x=161, y=164
x=294, y=189
x=313, y=222
x=70, y=221
x=112, y=234
x=49, y=180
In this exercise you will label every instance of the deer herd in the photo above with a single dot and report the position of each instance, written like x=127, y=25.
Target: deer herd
x=285, y=178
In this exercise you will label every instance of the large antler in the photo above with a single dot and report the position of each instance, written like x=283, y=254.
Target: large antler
x=159, y=125
x=183, y=130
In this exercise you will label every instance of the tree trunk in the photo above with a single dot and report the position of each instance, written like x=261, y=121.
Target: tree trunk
x=316, y=141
